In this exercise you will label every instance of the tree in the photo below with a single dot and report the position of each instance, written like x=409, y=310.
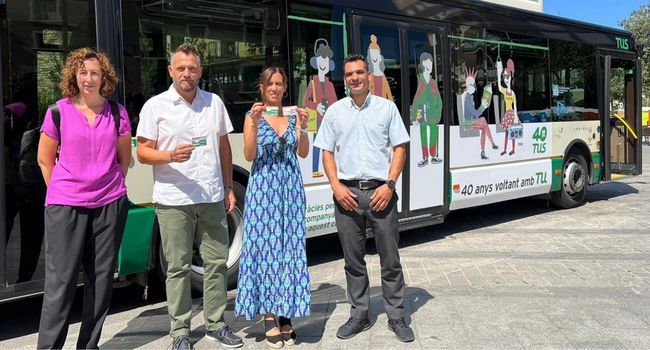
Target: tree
x=639, y=25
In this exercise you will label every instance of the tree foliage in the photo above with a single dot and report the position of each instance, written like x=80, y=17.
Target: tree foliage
x=639, y=25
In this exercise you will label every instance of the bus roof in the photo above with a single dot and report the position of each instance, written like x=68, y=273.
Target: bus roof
x=495, y=17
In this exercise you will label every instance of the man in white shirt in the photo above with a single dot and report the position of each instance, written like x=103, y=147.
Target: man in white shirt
x=363, y=139
x=183, y=133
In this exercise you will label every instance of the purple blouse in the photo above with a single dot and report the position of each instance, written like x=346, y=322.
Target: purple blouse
x=87, y=173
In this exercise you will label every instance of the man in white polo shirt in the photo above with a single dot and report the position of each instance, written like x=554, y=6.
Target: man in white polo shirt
x=183, y=133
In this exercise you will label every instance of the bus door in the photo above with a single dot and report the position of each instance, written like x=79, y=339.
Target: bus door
x=620, y=116
x=406, y=65
x=2, y=161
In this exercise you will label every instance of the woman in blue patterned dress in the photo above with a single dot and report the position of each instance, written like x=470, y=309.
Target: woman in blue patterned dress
x=273, y=276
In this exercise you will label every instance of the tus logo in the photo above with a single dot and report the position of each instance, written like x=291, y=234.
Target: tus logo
x=622, y=43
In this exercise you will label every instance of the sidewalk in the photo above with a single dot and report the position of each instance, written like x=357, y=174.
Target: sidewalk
x=509, y=275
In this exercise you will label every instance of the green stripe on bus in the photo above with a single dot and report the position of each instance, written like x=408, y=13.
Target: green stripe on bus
x=134, y=251
x=556, y=173
x=499, y=42
x=314, y=20
x=596, y=167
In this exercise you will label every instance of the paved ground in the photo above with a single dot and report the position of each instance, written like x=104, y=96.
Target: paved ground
x=510, y=275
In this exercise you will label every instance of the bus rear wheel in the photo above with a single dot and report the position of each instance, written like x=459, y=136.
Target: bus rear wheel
x=573, y=191
x=235, y=233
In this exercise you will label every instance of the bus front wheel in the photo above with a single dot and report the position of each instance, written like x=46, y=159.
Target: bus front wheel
x=235, y=234
x=573, y=191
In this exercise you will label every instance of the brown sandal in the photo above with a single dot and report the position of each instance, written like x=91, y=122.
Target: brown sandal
x=288, y=338
x=274, y=341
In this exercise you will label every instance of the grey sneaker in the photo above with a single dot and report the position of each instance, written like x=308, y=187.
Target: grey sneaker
x=182, y=343
x=225, y=336
x=352, y=327
x=401, y=329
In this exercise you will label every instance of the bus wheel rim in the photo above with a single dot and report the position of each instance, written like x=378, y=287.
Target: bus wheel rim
x=574, y=178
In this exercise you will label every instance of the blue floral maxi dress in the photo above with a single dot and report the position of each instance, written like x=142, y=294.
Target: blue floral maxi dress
x=273, y=276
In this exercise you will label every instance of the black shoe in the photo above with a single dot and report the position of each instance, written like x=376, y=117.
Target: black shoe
x=352, y=327
x=225, y=336
x=182, y=343
x=423, y=162
x=401, y=329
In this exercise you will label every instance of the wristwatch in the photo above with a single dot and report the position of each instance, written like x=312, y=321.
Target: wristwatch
x=391, y=184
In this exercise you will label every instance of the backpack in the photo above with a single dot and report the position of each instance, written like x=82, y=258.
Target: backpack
x=29, y=173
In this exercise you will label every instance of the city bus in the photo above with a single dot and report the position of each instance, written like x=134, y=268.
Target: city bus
x=500, y=103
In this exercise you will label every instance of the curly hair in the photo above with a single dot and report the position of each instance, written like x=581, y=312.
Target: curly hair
x=75, y=61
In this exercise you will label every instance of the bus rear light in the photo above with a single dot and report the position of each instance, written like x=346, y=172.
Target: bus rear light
x=596, y=166
x=558, y=171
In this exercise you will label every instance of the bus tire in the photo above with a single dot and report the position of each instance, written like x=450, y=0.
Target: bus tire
x=235, y=234
x=575, y=180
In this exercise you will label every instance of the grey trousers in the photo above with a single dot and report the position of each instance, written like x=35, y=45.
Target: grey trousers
x=74, y=237
x=351, y=226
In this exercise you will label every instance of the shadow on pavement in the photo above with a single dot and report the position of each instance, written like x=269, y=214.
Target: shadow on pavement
x=147, y=327
x=21, y=317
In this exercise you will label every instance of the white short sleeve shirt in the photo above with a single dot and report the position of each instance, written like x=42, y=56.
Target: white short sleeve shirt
x=170, y=120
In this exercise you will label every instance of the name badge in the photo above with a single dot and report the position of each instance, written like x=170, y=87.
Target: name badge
x=290, y=110
x=199, y=141
x=272, y=111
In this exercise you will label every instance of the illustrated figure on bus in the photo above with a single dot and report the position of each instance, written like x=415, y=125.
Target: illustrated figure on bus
x=426, y=110
x=510, y=114
x=378, y=83
x=320, y=94
x=472, y=115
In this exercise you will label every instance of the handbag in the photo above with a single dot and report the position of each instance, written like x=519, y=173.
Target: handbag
x=516, y=131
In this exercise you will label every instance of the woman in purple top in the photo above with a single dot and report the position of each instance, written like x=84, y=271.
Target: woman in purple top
x=86, y=203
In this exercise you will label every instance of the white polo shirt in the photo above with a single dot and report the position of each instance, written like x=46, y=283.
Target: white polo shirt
x=170, y=120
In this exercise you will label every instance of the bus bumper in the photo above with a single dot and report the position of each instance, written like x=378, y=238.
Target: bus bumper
x=133, y=256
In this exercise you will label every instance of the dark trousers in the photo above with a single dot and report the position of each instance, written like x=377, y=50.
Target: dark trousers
x=352, y=233
x=74, y=237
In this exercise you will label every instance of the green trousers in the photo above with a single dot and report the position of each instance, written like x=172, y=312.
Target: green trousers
x=180, y=227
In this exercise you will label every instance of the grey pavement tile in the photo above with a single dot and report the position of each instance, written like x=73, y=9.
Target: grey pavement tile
x=614, y=316
x=632, y=338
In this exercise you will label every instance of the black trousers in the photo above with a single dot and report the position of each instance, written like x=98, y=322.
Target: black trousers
x=351, y=226
x=74, y=237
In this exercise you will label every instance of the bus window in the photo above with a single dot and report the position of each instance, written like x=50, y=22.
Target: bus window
x=234, y=50
x=573, y=79
x=33, y=52
x=317, y=52
x=469, y=64
x=530, y=83
x=382, y=51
